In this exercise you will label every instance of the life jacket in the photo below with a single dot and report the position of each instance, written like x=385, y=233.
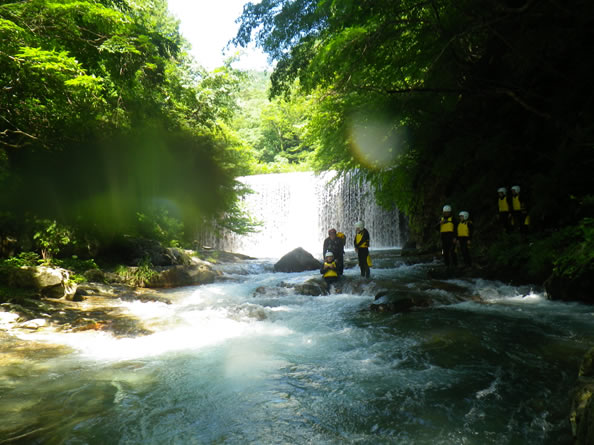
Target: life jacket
x=463, y=229
x=446, y=224
x=330, y=272
x=341, y=236
x=516, y=203
x=358, y=238
x=503, y=204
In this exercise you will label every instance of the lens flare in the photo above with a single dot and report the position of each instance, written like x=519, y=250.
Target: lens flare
x=376, y=141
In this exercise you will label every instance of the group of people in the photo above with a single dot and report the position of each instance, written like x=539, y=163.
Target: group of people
x=512, y=213
x=333, y=251
x=455, y=233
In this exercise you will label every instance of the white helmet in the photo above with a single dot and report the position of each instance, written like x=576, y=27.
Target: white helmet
x=447, y=208
x=516, y=188
x=359, y=225
x=502, y=190
x=464, y=215
x=329, y=254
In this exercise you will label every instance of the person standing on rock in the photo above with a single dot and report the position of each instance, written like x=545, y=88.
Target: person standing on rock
x=362, y=248
x=520, y=218
x=335, y=244
x=447, y=231
x=464, y=232
x=503, y=215
x=329, y=269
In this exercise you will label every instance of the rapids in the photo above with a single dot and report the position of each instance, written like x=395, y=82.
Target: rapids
x=227, y=364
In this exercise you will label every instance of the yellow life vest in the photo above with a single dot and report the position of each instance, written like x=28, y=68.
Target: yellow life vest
x=463, y=229
x=503, y=204
x=330, y=272
x=516, y=203
x=358, y=240
x=446, y=224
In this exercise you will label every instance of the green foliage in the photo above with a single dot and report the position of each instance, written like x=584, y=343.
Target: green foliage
x=51, y=237
x=22, y=259
x=159, y=225
x=274, y=130
x=576, y=256
x=137, y=276
x=75, y=264
x=568, y=253
x=104, y=117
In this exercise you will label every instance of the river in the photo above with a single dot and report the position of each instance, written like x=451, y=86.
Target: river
x=247, y=360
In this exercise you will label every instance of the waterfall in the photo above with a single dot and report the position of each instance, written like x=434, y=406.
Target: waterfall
x=298, y=209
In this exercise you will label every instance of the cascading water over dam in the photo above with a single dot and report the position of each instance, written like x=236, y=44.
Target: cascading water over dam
x=298, y=209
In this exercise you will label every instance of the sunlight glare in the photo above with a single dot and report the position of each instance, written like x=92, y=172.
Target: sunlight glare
x=375, y=140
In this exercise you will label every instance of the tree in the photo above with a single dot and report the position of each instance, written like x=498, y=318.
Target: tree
x=103, y=116
x=460, y=97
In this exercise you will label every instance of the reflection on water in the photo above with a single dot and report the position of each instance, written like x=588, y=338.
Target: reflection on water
x=223, y=364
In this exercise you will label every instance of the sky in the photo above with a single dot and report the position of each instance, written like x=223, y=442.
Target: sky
x=209, y=25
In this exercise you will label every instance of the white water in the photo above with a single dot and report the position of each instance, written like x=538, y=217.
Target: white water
x=298, y=209
x=229, y=364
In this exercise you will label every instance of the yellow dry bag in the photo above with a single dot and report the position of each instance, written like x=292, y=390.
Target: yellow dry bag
x=369, y=263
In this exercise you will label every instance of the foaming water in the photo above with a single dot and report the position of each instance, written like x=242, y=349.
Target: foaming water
x=250, y=360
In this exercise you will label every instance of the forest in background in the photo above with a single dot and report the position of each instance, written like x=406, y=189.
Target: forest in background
x=109, y=128
x=443, y=102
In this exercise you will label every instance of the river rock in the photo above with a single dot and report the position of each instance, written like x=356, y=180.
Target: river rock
x=312, y=287
x=399, y=301
x=46, y=281
x=578, y=288
x=297, y=260
x=582, y=407
x=34, y=324
x=176, y=276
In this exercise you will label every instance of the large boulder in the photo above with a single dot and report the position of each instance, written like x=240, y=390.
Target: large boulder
x=176, y=276
x=297, y=260
x=46, y=281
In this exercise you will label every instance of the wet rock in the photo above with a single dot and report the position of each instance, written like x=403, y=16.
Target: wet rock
x=46, y=281
x=399, y=301
x=94, y=275
x=267, y=291
x=313, y=287
x=587, y=365
x=221, y=256
x=34, y=324
x=247, y=310
x=87, y=289
x=582, y=408
x=578, y=288
x=177, y=276
x=297, y=260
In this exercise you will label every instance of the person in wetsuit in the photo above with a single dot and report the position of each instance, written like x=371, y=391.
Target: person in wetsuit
x=335, y=244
